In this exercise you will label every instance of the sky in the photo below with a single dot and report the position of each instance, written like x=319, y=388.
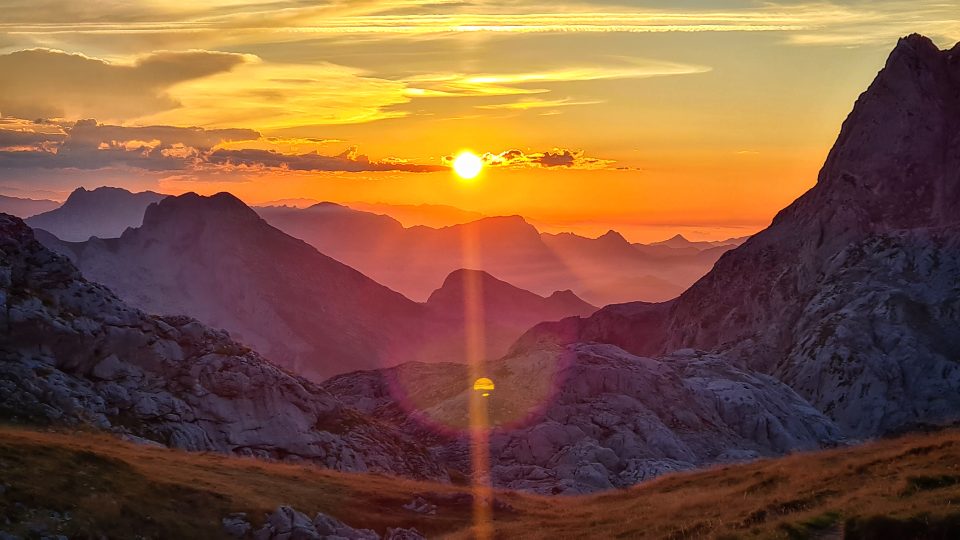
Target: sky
x=649, y=117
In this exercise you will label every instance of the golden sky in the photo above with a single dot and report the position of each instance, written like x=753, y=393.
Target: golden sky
x=649, y=117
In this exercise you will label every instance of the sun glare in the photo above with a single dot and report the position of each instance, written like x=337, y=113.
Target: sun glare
x=467, y=165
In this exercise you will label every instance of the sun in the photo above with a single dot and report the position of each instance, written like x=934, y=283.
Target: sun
x=467, y=165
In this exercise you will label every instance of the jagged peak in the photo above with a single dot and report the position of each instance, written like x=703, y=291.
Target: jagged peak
x=613, y=236
x=110, y=194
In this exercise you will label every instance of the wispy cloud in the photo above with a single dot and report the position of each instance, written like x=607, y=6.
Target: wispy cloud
x=533, y=103
x=505, y=84
x=294, y=20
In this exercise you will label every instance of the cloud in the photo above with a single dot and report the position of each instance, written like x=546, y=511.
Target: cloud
x=347, y=161
x=44, y=83
x=533, y=103
x=268, y=96
x=505, y=84
x=16, y=133
x=87, y=145
x=556, y=158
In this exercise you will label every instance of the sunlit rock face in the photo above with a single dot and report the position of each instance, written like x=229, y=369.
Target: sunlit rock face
x=851, y=295
x=72, y=353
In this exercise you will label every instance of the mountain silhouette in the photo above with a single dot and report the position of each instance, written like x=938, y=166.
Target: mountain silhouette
x=104, y=212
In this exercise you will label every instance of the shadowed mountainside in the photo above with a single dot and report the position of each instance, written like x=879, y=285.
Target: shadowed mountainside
x=851, y=296
x=72, y=353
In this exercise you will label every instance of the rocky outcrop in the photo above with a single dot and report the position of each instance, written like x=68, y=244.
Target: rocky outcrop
x=587, y=417
x=72, y=352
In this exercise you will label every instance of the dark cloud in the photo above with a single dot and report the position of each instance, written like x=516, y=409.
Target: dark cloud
x=348, y=161
x=88, y=145
x=570, y=159
x=15, y=137
x=54, y=84
x=89, y=132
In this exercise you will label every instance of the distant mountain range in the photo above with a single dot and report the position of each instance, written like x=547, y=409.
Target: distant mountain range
x=25, y=208
x=216, y=259
x=604, y=270
x=104, y=212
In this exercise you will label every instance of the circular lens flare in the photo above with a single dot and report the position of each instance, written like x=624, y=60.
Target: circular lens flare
x=467, y=165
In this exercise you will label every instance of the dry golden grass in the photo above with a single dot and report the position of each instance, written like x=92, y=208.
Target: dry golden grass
x=121, y=490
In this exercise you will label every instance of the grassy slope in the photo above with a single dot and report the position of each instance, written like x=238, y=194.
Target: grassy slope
x=117, y=488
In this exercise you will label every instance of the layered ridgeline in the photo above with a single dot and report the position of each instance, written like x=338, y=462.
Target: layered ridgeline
x=852, y=295
x=602, y=270
x=104, y=212
x=18, y=206
x=73, y=353
x=215, y=259
x=588, y=418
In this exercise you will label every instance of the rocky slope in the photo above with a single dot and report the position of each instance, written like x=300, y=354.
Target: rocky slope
x=852, y=295
x=588, y=417
x=72, y=352
x=104, y=212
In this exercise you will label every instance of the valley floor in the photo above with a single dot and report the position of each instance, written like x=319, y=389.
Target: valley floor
x=85, y=484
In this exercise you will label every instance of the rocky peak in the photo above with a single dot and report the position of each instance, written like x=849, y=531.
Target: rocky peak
x=677, y=240
x=189, y=212
x=895, y=163
x=452, y=292
x=613, y=237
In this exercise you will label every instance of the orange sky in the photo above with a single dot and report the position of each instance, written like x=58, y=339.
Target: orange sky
x=651, y=118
